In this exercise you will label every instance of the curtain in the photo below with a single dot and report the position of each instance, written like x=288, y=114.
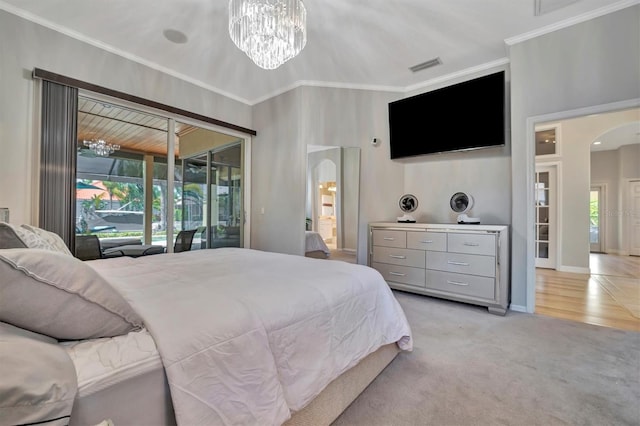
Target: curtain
x=58, y=160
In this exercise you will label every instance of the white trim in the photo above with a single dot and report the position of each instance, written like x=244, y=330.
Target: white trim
x=574, y=269
x=517, y=308
x=571, y=21
x=617, y=252
x=462, y=73
x=247, y=192
x=530, y=272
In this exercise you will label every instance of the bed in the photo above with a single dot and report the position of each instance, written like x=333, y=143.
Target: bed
x=315, y=246
x=225, y=336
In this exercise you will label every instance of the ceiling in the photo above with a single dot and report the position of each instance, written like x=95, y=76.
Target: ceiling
x=367, y=44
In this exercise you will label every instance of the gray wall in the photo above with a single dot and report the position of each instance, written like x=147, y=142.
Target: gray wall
x=25, y=46
x=592, y=63
x=326, y=117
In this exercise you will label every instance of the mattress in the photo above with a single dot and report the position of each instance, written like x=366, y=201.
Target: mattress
x=125, y=372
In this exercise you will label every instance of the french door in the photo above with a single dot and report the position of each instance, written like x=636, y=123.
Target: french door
x=546, y=216
x=596, y=228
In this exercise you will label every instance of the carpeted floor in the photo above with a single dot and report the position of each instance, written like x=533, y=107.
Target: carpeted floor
x=469, y=367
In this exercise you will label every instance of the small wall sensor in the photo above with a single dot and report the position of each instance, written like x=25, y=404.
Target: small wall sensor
x=375, y=141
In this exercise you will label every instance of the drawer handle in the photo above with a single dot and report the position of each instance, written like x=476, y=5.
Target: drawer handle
x=451, y=262
x=389, y=239
x=456, y=283
x=395, y=256
x=427, y=241
x=471, y=244
x=397, y=274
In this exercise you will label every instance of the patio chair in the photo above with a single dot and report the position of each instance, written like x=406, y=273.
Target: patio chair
x=184, y=240
x=88, y=248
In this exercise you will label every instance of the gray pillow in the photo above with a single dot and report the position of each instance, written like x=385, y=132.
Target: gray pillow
x=39, y=381
x=58, y=295
x=9, y=238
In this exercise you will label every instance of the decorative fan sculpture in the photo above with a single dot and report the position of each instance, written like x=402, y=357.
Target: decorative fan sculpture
x=408, y=203
x=461, y=202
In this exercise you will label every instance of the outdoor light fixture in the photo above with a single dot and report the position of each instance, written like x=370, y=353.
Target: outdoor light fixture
x=101, y=148
x=270, y=32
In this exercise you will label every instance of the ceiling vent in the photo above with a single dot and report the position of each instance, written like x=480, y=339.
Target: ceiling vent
x=540, y=7
x=423, y=66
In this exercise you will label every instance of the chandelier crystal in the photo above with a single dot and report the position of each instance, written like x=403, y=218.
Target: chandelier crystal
x=270, y=32
x=101, y=148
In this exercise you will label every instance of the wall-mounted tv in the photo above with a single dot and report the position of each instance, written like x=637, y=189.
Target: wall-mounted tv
x=464, y=116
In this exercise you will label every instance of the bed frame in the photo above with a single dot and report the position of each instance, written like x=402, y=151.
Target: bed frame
x=146, y=399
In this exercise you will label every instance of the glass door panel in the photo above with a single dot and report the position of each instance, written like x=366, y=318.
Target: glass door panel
x=595, y=208
x=226, y=190
x=191, y=211
x=545, y=217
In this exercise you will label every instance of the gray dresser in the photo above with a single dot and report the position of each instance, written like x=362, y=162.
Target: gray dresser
x=466, y=263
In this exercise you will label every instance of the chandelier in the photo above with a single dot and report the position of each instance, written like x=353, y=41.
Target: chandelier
x=101, y=148
x=270, y=32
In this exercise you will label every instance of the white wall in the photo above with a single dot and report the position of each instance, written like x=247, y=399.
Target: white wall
x=25, y=46
x=591, y=63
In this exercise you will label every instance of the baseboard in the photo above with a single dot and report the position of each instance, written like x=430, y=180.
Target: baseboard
x=574, y=269
x=517, y=308
x=618, y=252
x=348, y=250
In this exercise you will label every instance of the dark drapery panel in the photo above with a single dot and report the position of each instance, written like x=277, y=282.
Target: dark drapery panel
x=58, y=160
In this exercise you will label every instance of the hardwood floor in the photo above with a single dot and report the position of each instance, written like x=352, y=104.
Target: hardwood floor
x=609, y=297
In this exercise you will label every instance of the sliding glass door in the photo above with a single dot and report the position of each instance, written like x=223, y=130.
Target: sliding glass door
x=212, y=197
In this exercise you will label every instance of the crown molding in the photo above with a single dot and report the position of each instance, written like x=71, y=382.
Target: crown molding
x=462, y=73
x=80, y=37
x=571, y=21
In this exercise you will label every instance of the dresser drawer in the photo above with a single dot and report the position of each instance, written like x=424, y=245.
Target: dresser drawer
x=466, y=285
x=472, y=264
x=401, y=274
x=434, y=241
x=397, y=256
x=472, y=243
x=389, y=238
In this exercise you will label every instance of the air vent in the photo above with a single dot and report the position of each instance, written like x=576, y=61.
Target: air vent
x=540, y=7
x=423, y=66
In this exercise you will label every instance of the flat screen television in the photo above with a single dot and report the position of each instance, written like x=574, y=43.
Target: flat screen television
x=464, y=116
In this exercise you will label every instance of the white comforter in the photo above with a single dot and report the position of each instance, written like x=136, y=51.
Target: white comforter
x=314, y=242
x=247, y=337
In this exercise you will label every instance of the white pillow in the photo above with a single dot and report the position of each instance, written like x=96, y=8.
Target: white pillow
x=39, y=381
x=50, y=293
x=44, y=239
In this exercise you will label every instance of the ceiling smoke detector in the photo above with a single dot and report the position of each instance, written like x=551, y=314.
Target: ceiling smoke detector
x=423, y=66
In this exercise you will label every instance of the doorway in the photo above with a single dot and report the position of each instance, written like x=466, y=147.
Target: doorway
x=591, y=285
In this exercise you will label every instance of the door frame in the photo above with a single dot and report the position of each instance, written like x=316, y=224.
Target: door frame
x=530, y=175
x=602, y=208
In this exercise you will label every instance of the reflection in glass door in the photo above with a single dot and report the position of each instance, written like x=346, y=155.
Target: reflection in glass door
x=595, y=216
x=545, y=213
x=226, y=188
